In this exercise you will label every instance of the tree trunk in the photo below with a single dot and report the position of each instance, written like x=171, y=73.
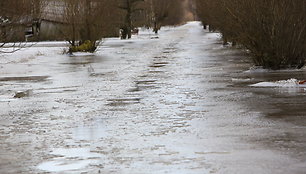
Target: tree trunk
x=129, y=19
x=155, y=29
x=87, y=22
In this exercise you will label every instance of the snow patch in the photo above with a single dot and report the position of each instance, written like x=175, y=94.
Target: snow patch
x=81, y=54
x=241, y=79
x=282, y=83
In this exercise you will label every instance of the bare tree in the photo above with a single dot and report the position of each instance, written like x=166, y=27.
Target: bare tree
x=149, y=13
x=129, y=8
x=165, y=12
x=18, y=21
x=88, y=21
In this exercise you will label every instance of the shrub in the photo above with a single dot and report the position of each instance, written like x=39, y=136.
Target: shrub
x=273, y=30
x=87, y=46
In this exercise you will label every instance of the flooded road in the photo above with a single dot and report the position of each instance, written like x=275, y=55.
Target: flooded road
x=180, y=103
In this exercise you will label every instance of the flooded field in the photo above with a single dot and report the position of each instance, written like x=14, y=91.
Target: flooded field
x=180, y=104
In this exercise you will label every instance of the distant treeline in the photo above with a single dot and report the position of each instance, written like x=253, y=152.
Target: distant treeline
x=78, y=21
x=274, y=31
x=85, y=17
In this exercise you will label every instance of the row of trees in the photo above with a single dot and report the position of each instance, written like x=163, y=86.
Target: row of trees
x=85, y=22
x=90, y=20
x=274, y=31
x=150, y=13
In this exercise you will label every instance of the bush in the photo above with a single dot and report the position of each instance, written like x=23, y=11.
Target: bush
x=87, y=46
x=273, y=30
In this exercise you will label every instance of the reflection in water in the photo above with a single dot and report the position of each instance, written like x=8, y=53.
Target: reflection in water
x=70, y=160
x=83, y=60
x=88, y=133
x=76, y=159
x=24, y=78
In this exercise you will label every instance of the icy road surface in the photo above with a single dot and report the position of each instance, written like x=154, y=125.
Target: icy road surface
x=178, y=104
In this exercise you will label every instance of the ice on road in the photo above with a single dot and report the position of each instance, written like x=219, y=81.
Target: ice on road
x=180, y=103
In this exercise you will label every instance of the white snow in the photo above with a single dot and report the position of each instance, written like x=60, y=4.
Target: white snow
x=282, y=83
x=242, y=79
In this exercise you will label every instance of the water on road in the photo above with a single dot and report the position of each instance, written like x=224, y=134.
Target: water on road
x=180, y=103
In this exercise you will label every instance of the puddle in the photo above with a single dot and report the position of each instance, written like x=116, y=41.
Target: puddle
x=57, y=166
x=160, y=57
x=72, y=160
x=82, y=60
x=145, y=81
x=97, y=74
x=217, y=153
x=24, y=78
x=77, y=63
x=160, y=63
x=157, y=65
x=57, y=90
x=166, y=52
x=170, y=50
x=144, y=87
x=124, y=101
x=69, y=160
x=156, y=72
x=94, y=132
